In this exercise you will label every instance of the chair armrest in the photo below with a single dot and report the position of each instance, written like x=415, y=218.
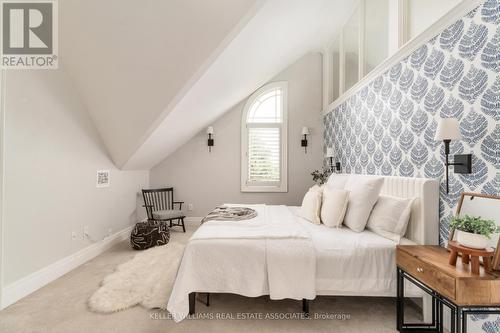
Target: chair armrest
x=149, y=211
x=179, y=203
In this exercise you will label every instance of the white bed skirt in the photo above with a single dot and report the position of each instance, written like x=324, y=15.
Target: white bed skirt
x=271, y=255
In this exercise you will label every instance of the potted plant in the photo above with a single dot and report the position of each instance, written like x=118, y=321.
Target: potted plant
x=473, y=231
x=320, y=176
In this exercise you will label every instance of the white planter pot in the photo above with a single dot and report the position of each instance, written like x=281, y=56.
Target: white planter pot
x=474, y=241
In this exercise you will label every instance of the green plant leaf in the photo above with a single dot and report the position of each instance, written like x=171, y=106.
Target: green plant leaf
x=475, y=225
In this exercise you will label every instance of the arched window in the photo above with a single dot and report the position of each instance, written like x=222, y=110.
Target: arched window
x=264, y=140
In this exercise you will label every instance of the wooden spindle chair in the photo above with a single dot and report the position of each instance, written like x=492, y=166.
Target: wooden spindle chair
x=160, y=206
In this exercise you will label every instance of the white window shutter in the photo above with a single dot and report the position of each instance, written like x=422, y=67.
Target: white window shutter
x=264, y=154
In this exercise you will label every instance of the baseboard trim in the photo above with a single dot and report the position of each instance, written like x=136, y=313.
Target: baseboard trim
x=193, y=220
x=187, y=220
x=25, y=286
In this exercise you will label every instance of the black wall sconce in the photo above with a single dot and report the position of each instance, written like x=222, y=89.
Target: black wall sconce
x=210, y=142
x=303, y=142
x=449, y=129
x=329, y=154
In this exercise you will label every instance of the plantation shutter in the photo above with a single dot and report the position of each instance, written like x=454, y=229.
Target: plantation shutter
x=264, y=154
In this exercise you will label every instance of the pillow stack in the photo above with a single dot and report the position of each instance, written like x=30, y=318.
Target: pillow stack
x=334, y=206
x=363, y=194
x=337, y=181
x=390, y=217
x=355, y=201
x=311, y=205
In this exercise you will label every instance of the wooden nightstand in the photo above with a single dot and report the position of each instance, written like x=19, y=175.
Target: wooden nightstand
x=456, y=287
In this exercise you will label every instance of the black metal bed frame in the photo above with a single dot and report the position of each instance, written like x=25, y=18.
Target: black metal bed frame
x=458, y=313
x=192, y=304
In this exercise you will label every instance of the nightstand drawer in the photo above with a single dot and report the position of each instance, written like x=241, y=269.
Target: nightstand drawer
x=432, y=277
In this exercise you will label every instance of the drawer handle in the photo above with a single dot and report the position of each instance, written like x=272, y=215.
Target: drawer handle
x=420, y=269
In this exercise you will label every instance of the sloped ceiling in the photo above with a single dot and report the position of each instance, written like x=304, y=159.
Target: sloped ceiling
x=129, y=59
x=154, y=73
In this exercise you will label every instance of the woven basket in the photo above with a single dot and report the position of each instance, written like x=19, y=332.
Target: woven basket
x=148, y=234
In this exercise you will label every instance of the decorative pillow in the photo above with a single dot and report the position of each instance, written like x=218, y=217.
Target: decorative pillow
x=363, y=194
x=390, y=217
x=311, y=204
x=334, y=206
x=337, y=181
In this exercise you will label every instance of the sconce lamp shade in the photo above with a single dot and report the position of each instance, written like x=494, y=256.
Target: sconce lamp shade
x=305, y=130
x=210, y=130
x=329, y=152
x=448, y=129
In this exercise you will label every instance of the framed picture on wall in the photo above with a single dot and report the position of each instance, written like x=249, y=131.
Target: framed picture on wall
x=102, y=178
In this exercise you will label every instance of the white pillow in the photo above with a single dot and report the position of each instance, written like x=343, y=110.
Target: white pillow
x=334, y=206
x=390, y=217
x=311, y=204
x=337, y=181
x=364, y=192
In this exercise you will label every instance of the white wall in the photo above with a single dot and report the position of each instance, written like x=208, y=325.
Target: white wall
x=423, y=13
x=132, y=59
x=52, y=154
x=376, y=40
x=2, y=153
x=208, y=179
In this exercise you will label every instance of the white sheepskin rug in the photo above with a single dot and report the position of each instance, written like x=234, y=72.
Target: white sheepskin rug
x=147, y=279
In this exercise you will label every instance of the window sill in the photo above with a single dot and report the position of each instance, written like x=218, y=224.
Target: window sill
x=264, y=189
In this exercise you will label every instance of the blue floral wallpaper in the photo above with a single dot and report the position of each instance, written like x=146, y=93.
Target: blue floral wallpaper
x=387, y=127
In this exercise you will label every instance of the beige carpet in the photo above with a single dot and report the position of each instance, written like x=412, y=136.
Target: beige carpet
x=61, y=306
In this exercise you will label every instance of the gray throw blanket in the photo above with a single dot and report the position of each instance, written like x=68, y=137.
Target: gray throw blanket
x=224, y=213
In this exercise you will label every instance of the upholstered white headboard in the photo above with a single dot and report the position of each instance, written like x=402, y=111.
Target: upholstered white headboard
x=424, y=221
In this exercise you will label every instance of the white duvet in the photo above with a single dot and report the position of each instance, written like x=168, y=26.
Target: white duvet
x=274, y=256
x=271, y=222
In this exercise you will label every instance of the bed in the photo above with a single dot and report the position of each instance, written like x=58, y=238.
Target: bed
x=298, y=259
